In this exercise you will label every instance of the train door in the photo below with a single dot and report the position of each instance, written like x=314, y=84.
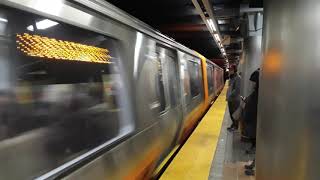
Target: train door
x=192, y=92
x=216, y=80
x=210, y=80
x=170, y=119
x=158, y=97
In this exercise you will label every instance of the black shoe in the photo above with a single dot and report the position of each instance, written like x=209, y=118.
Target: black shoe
x=249, y=172
x=229, y=128
x=248, y=167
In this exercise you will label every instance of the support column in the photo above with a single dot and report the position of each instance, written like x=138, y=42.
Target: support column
x=251, y=57
x=288, y=139
x=249, y=62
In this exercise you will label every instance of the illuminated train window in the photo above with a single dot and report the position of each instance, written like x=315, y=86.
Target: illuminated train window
x=210, y=78
x=193, y=70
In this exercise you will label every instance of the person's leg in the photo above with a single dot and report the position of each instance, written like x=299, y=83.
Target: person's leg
x=236, y=121
x=252, y=148
x=230, y=106
x=253, y=143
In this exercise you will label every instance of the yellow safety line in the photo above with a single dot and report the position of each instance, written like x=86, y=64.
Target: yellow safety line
x=194, y=160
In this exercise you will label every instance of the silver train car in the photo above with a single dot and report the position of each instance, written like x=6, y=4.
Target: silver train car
x=89, y=92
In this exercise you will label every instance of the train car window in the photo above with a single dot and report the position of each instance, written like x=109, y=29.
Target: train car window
x=160, y=78
x=210, y=78
x=186, y=81
x=216, y=78
x=60, y=93
x=151, y=81
x=173, y=81
x=193, y=69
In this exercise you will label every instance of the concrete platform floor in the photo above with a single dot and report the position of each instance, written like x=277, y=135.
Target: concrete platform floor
x=230, y=156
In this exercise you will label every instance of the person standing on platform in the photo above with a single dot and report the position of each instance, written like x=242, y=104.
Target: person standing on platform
x=251, y=109
x=233, y=96
x=250, y=117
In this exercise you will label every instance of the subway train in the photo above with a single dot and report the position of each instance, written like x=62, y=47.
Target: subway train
x=89, y=92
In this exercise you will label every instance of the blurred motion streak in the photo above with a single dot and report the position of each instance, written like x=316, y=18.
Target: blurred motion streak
x=39, y=46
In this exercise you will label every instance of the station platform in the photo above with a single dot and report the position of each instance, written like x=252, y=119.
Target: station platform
x=211, y=152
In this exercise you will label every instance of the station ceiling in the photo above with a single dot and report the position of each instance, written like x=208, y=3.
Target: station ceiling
x=180, y=20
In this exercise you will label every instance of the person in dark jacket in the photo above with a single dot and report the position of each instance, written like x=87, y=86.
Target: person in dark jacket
x=250, y=116
x=233, y=96
x=251, y=108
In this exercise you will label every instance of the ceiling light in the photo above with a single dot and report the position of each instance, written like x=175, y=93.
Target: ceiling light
x=223, y=21
x=3, y=20
x=46, y=23
x=43, y=24
x=211, y=25
x=216, y=36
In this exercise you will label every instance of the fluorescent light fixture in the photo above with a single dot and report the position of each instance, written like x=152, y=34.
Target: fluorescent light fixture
x=46, y=23
x=211, y=25
x=216, y=36
x=3, y=19
x=43, y=24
